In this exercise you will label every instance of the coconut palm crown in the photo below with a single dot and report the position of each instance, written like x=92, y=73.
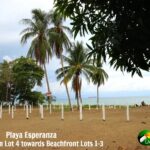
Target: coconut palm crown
x=77, y=66
x=38, y=30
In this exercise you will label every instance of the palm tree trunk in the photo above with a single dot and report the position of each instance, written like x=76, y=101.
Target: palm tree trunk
x=66, y=86
x=47, y=82
x=97, y=96
x=80, y=98
x=80, y=84
x=78, y=103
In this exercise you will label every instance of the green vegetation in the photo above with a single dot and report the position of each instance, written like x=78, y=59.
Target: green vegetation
x=5, y=80
x=37, y=29
x=120, y=30
x=23, y=75
x=78, y=65
x=26, y=75
x=37, y=97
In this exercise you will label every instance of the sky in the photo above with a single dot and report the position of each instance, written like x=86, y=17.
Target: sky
x=12, y=11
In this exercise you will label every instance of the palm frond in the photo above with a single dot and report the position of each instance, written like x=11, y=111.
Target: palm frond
x=27, y=36
x=61, y=69
x=67, y=60
x=99, y=77
x=28, y=29
x=61, y=72
x=68, y=75
x=29, y=23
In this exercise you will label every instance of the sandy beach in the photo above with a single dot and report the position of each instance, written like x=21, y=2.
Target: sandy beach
x=115, y=132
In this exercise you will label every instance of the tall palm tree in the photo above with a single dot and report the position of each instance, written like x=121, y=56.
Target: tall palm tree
x=37, y=29
x=78, y=65
x=99, y=78
x=60, y=42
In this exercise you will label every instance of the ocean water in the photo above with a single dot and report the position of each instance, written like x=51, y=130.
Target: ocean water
x=110, y=100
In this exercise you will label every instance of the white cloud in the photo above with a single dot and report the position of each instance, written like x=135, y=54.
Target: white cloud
x=7, y=58
x=12, y=11
x=119, y=82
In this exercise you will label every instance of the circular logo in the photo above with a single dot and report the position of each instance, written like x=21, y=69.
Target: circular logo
x=144, y=137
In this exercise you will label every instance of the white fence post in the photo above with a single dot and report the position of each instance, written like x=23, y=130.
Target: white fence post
x=127, y=113
x=50, y=108
x=97, y=107
x=12, y=112
x=89, y=107
x=81, y=115
x=1, y=111
x=9, y=109
x=41, y=110
x=103, y=113
x=27, y=111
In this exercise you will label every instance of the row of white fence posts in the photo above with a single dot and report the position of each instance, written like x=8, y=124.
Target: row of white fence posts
x=104, y=116
x=103, y=112
x=28, y=109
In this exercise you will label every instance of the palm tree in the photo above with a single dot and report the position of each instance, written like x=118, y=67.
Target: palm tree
x=60, y=42
x=99, y=78
x=78, y=65
x=37, y=29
